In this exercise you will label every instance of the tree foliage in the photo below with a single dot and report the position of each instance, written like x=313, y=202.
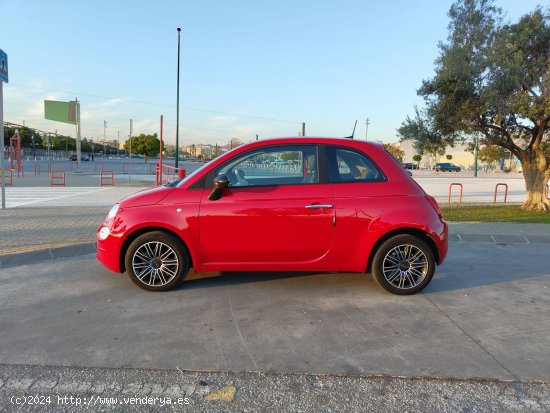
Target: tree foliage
x=396, y=152
x=426, y=138
x=148, y=145
x=233, y=143
x=492, y=80
x=491, y=153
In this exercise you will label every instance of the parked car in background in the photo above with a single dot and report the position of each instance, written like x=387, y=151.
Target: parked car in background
x=348, y=206
x=82, y=157
x=410, y=165
x=446, y=167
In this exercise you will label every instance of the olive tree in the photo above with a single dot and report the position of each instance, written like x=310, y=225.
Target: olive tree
x=492, y=82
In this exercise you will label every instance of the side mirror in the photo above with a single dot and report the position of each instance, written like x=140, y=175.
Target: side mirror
x=220, y=182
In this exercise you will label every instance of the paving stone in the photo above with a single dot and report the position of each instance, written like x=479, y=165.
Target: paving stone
x=509, y=239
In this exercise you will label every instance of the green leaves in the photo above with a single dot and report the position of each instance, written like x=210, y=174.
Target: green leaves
x=143, y=144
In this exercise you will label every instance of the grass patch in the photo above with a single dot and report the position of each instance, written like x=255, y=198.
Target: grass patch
x=492, y=213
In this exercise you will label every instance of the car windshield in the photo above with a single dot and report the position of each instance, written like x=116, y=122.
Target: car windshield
x=179, y=183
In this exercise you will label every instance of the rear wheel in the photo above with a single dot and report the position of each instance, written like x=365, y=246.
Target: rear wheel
x=403, y=265
x=157, y=261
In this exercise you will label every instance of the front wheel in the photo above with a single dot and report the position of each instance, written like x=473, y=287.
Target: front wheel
x=157, y=261
x=403, y=265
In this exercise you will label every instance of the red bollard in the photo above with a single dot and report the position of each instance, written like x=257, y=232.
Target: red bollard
x=505, y=192
x=181, y=173
x=450, y=188
x=37, y=169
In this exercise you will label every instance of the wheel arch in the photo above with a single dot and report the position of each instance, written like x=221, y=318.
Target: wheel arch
x=424, y=236
x=130, y=238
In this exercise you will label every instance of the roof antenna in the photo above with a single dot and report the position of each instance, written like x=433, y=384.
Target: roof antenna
x=353, y=133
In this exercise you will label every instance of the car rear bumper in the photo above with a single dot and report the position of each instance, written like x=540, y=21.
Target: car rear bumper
x=441, y=238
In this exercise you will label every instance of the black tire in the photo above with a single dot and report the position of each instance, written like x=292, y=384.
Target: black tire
x=403, y=265
x=157, y=261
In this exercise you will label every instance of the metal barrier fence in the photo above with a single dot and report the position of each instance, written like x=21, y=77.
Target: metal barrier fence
x=57, y=178
x=168, y=173
x=8, y=175
x=106, y=178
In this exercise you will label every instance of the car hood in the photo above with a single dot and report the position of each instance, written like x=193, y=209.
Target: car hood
x=146, y=197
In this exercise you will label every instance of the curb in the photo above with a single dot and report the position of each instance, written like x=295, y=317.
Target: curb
x=47, y=254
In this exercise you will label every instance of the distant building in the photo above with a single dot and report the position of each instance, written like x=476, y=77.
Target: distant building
x=204, y=151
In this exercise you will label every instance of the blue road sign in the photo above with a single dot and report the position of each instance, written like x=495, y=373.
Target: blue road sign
x=3, y=66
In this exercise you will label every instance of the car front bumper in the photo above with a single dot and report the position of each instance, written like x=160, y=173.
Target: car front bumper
x=108, y=252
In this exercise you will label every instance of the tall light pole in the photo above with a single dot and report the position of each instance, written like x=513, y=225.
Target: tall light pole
x=130, y=159
x=367, y=123
x=104, y=138
x=476, y=153
x=178, y=103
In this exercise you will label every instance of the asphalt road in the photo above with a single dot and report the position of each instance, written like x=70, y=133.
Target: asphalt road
x=486, y=318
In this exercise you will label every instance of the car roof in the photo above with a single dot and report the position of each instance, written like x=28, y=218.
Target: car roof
x=314, y=140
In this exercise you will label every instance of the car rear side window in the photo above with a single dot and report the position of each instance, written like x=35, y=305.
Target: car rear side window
x=347, y=165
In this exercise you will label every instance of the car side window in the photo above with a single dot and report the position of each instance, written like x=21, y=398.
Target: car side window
x=276, y=165
x=346, y=165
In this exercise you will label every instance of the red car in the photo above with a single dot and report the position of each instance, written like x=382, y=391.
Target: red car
x=338, y=205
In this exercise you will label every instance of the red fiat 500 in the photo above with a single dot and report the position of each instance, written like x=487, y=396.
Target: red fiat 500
x=289, y=204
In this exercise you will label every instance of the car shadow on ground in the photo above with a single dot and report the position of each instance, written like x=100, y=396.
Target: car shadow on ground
x=467, y=266
x=225, y=278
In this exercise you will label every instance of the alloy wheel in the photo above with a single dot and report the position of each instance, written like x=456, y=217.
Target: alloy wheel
x=155, y=264
x=405, y=266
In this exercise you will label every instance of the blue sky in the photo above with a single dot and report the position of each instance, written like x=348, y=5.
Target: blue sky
x=247, y=67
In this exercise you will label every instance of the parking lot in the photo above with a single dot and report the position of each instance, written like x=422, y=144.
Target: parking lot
x=488, y=317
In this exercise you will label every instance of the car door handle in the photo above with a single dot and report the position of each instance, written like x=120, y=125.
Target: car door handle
x=319, y=206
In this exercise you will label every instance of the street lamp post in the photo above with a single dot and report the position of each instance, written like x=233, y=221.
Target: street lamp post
x=367, y=123
x=476, y=153
x=178, y=102
x=104, y=138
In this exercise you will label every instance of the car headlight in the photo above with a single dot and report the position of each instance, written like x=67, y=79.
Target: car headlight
x=112, y=213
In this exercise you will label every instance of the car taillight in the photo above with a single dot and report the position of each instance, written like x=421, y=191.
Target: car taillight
x=434, y=205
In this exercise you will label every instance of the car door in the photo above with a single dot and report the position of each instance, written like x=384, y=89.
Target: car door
x=272, y=212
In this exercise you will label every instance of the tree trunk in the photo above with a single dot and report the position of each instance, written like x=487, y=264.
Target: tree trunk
x=536, y=174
